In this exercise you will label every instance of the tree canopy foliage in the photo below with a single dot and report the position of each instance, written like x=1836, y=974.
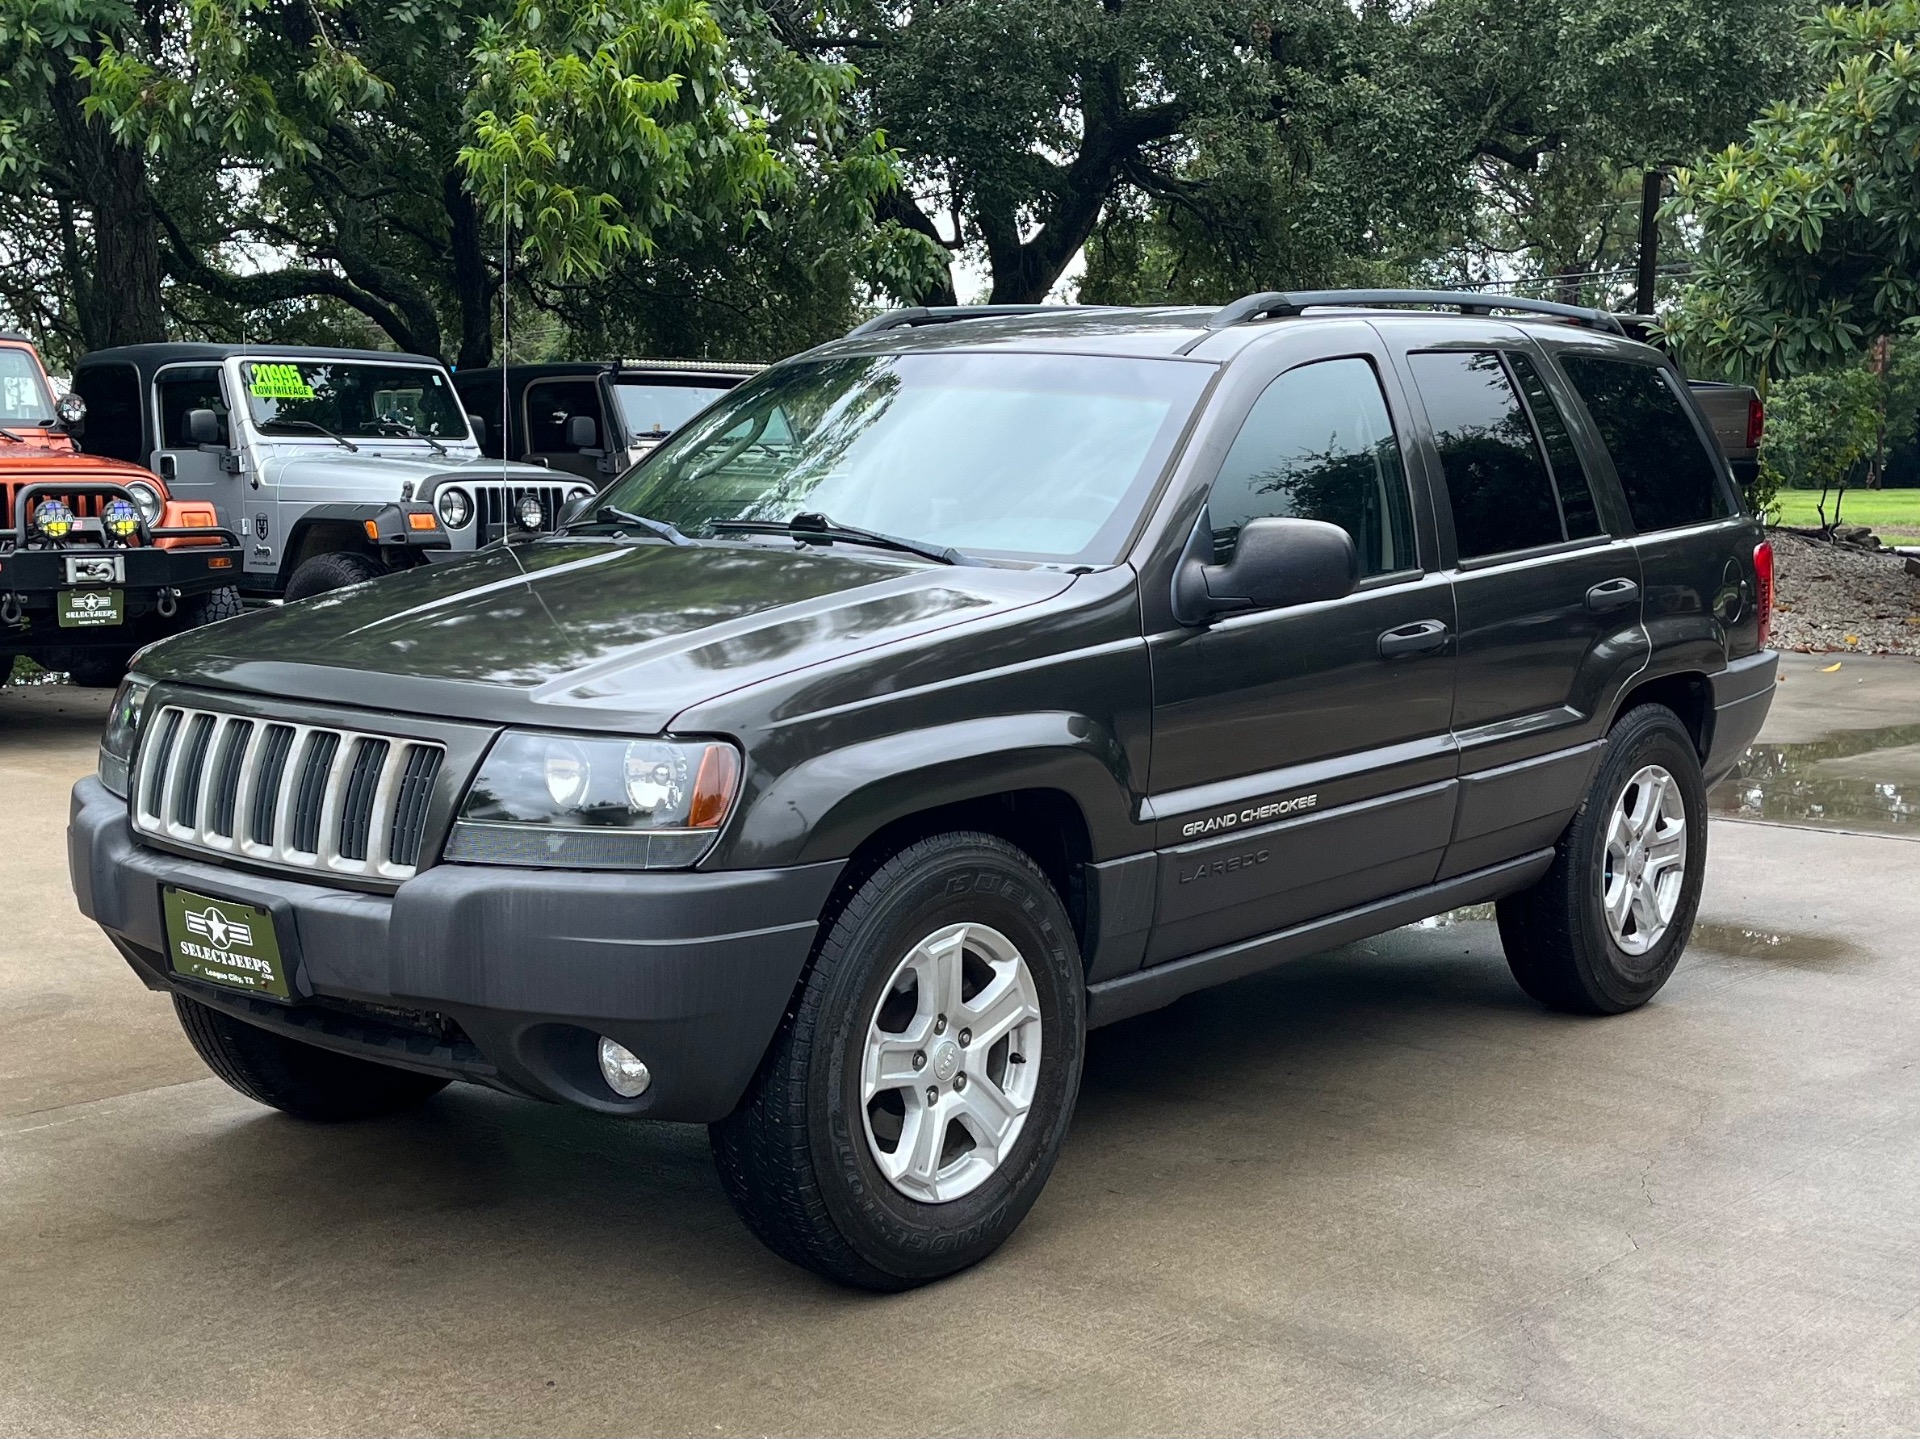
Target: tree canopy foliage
x=1811, y=227
x=744, y=176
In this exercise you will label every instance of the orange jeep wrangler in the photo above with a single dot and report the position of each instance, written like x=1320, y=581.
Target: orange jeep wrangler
x=96, y=559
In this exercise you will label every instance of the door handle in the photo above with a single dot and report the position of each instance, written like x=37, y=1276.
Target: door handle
x=1615, y=594
x=1419, y=638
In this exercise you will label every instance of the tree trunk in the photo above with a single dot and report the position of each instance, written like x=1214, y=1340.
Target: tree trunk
x=122, y=304
x=472, y=281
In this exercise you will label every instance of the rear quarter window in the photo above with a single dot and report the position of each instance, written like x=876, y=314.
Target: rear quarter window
x=1669, y=476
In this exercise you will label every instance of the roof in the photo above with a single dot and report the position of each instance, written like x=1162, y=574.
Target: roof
x=148, y=358
x=1211, y=332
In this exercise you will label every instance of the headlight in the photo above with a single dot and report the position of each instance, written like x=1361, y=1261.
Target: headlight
x=455, y=507
x=121, y=518
x=530, y=512
x=122, y=738
x=578, y=803
x=148, y=499
x=53, y=519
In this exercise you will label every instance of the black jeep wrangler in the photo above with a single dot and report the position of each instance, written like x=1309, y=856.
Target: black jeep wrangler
x=942, y=693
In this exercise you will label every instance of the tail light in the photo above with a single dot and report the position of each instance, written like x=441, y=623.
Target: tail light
x=1763, y=586
x=1756, y=421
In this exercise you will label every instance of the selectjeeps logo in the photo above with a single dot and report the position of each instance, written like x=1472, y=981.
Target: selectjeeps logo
x=92, y=600
x=223, y=932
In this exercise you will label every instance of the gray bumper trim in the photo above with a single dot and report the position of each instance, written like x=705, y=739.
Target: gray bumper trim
x=691, y=971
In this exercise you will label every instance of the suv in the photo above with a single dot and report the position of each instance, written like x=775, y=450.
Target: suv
x=944, y=692
x=593, y=418
x=96, y=559
x=340, y=465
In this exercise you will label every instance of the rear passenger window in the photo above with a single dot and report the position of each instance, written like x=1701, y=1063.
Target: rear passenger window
x=1498, y=482
x=1668, y=473
x=1318, y=445
x=1569, y=478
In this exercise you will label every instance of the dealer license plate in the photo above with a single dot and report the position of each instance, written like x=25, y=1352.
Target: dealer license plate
x=224, y=942
x=90, y=609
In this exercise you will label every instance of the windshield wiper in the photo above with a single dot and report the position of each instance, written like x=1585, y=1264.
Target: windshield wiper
x=400, y=427
x=12, y=436
x=317, y=429
x=814, y=528
x=614, y=515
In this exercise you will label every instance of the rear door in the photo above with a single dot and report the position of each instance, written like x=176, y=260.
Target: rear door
x=1301, y=766
x=1547, y=591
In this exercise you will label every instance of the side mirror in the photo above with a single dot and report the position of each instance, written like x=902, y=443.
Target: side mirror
x=479, y=424
x=582, y=432
x=203, y=427
x=1276, y=563
x=574, y=509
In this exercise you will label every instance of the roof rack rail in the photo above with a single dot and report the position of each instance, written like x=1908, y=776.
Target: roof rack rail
x=917, y=315
x=1274, y=303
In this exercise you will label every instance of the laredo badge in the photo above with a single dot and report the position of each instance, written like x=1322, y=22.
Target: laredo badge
x=224, y=942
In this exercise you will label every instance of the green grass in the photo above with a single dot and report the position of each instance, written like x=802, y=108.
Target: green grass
x=1892, y=509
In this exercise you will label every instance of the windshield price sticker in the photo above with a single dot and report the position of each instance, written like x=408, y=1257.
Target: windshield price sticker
x=278, y=382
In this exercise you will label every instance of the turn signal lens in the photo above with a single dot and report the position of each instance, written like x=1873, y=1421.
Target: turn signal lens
x=421, y=520
x=1763, y=589
x=53, y=519
x=713, y=787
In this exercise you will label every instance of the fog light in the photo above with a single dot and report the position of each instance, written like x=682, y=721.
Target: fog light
x=626, y=1076
x=530, y=512
x=53, y=519
x=121, y=519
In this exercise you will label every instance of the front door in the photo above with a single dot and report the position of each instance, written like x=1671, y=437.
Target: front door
x=1302, y=761
x=1548, y=598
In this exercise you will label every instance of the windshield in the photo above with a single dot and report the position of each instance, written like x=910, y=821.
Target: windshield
x=24, y=399
x=1034, y=456
x=656, y=410
x=351, y=398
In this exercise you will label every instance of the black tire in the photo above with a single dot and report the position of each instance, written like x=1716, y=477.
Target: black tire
x=213, y=606
x=301, y=1079
x=94, y=669
x=332, y=571
x=1557, y=939
x=794, y=1156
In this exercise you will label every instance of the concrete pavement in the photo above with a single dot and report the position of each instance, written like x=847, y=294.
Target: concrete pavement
x=1377, y=1191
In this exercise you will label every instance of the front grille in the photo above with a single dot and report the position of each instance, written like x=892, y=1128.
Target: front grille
x=312, y=797
x=499, y=505
x=87, y=504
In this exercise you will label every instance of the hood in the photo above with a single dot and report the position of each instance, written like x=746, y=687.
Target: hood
x=589, y=633
x=332, y=472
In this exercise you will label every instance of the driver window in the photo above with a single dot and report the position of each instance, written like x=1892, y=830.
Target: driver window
x=1318, y=445
x=189, y=388
x=551, y=404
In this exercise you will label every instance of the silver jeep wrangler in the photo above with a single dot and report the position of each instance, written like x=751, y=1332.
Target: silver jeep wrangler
x=332, y=465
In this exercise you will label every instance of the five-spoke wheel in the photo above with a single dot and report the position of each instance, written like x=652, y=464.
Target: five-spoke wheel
x=1646, y=864
x=952, y=1061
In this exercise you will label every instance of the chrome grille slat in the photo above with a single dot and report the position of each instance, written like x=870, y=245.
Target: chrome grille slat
x=322, y=798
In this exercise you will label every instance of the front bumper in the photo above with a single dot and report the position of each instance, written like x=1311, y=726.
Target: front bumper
x=33, y=580
x=500, y=976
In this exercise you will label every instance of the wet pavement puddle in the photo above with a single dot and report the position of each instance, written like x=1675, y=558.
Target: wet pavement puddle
x=1794, y=951
x=1857, y=779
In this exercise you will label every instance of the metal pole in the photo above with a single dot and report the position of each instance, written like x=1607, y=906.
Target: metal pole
x=1650, y=186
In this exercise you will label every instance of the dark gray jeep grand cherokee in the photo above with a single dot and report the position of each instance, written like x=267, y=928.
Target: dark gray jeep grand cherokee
x=938, y=695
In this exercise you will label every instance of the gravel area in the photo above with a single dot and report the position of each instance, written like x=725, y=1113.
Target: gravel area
x=1827, y=597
